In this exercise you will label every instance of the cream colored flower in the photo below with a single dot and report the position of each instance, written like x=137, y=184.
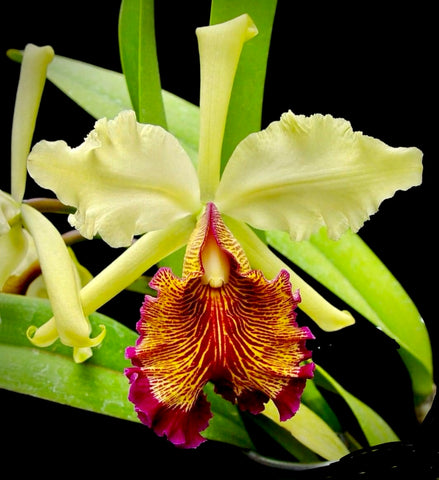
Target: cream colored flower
x=18, y=221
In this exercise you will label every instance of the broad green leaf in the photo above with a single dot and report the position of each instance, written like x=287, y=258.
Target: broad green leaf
x=141, y=285
x=138, y=55
x=97, y=385
x=43, y=374
x=310, y=430
x=174, y=261
x=313, y=399
x=19, y=312
x=375, y=428
x=226, y=425
x=103, y=93
x=245, y=108
x=284, y=438
x=350, y=269
x=183, y=122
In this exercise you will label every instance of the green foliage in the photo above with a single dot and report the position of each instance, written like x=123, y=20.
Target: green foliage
x=350, y=269
x=245, y=108
x=347, y=267
x=139, y=60
x=97, y=385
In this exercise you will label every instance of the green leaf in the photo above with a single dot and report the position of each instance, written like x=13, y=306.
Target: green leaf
x=103, y=93
x=226, y=425
x=375, y=428
x=99, y=91
x=284, y=438
x=97, y=385
x=138, y=55
x=141, y=285
x=183, y=122
x=313, y=399
x=245, y=108
x=57, y=378
x=174, y=261
x=351, y=270
x=310, y=430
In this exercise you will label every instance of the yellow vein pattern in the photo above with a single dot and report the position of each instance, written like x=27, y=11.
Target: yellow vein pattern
x=243, y=337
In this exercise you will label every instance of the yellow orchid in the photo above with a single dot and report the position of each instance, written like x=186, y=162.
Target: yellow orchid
x=231, y=318
x=24, y=229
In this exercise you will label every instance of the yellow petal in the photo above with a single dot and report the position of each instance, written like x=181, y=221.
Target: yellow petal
x=125, y=179
x=81, y=354
x=9, y=212
x=37, y=288
x=72, y=326
x=302, y=173
x=13, y=241
x=44, y=335
x=220, y=48
x=30, y=88
x=142, y=255
x=12, y=251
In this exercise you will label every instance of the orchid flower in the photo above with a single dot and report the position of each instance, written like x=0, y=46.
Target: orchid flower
x=231, y=317
x=23, y=229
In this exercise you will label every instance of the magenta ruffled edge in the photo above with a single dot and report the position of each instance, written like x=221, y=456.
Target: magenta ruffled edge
x=288, y=400
x=182, y=428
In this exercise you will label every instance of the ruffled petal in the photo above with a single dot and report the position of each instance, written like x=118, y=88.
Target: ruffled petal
x=241, y=334
x=181, y=427
x=125, y=179
x=302, y=173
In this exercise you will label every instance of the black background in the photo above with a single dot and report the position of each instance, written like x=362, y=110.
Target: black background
x=369, y=65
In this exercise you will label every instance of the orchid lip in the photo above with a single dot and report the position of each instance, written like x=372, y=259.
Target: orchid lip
x=221, y=322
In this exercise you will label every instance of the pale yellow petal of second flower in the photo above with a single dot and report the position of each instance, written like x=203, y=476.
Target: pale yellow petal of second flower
x=302, y=173
x=12, y=251
x=125, y=179
x=13, y=240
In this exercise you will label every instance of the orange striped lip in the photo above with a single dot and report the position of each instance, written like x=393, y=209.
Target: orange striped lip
x=241, y=335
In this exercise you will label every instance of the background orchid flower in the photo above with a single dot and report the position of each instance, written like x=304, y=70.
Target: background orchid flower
x=13, y=238
x=298, y=175
x=23, y=228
